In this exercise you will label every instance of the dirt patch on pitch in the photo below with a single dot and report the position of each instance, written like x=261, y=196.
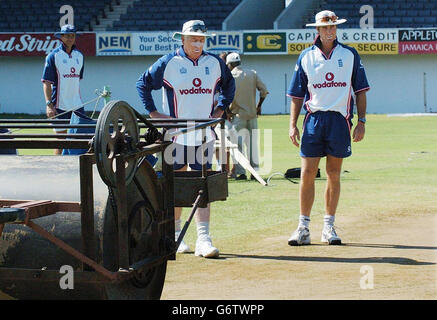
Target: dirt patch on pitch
x=401, y=252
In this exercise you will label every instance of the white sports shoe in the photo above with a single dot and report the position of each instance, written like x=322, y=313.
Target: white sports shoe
x=301, y=236
x=183, y=247
x=330, y=236
x=204, y=248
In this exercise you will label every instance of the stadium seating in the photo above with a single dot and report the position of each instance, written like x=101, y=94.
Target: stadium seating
x=149, y=15
x=387, y=13
x=44, y=16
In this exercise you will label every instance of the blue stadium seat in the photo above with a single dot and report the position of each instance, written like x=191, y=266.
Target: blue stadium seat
x=395, y=20
x=406, y=5
x=431, y=20
x=419, y=20
x=389, y=13
x=424, y=13
x=382, y=20
x=408, y=21
x=428, y=5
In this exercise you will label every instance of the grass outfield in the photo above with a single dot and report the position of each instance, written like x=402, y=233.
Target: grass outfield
x=391, y=169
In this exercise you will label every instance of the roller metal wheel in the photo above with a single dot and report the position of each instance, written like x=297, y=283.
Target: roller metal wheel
x=144, y=241
x=117, y=132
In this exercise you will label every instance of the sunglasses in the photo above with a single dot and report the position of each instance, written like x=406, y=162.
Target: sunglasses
x=329, y=18
x=199, y=27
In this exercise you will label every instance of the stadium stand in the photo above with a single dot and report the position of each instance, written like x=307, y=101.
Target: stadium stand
x=147, y=15
x=387, y=13
x=43, y=15
x=143, y=15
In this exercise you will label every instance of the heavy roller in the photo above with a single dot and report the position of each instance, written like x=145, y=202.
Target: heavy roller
x=105, y=215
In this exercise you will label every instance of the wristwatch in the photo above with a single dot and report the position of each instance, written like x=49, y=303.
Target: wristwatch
x=363, y=120
x=48, y=103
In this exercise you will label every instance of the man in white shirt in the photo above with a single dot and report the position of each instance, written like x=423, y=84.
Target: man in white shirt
x=190, y=77
x=324, y=78
x=62, y=73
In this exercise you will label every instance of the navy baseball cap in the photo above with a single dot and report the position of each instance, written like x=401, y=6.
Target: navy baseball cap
x=65, y=29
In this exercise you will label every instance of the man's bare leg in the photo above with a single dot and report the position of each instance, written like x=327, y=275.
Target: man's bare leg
x=332, y=196
x=306, y=188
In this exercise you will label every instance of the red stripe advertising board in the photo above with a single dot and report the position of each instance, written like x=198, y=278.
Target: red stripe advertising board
x=41, y=44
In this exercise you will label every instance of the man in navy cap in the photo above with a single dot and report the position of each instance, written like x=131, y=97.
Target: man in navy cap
x=62, y=73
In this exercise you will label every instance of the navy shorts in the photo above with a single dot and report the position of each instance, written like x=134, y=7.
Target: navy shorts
x=326, y=133
x=192, y=156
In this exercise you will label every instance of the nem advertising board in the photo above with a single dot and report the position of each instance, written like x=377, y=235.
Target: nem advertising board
x=227, y=41
x=365, y=41
x=154, y=43
x=161, y=43
x=113, y=44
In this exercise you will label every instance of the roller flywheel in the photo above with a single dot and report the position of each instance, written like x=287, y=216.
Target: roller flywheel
x=117, y=132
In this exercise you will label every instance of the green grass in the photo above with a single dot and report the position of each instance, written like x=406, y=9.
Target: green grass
x=392, y=170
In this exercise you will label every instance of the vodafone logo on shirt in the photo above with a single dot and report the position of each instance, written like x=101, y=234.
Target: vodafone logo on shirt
x=329, y=83
x=197, y=89
x=72, y=73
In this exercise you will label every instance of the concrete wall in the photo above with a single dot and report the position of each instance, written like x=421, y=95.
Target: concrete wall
x=293, y=15
x=254, y=14
x=396, y=81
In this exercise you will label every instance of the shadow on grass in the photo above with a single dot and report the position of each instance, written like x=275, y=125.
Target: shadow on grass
x=388, y=246
x=366, y=260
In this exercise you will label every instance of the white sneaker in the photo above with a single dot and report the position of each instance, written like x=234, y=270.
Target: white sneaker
x=183, y=247
x=204, y=248
x=301, y=236
x=330, y=236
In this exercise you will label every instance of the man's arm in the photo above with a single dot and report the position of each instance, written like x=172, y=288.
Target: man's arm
x=47, y=89
x=217, y=113
x=360, y=129
x=152, y=79
x=295, y=107
x=227, y=85
x=258, y=107
x=263, y=92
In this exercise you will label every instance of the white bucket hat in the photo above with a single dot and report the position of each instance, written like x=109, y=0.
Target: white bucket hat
x=326, y=18
x=233, y=57
x=192, y=28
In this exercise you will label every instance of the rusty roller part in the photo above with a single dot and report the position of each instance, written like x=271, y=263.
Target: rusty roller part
x=57, y=179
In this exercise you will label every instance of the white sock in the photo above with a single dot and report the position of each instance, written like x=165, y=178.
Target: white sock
x=328, y=220
x=202, y=229
x=304, y=221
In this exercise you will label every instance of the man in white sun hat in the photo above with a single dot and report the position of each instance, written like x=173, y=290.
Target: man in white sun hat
x=325, y=78
x=190, y=77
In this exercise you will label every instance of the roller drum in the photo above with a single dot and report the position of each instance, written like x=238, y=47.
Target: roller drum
x=57, y=178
